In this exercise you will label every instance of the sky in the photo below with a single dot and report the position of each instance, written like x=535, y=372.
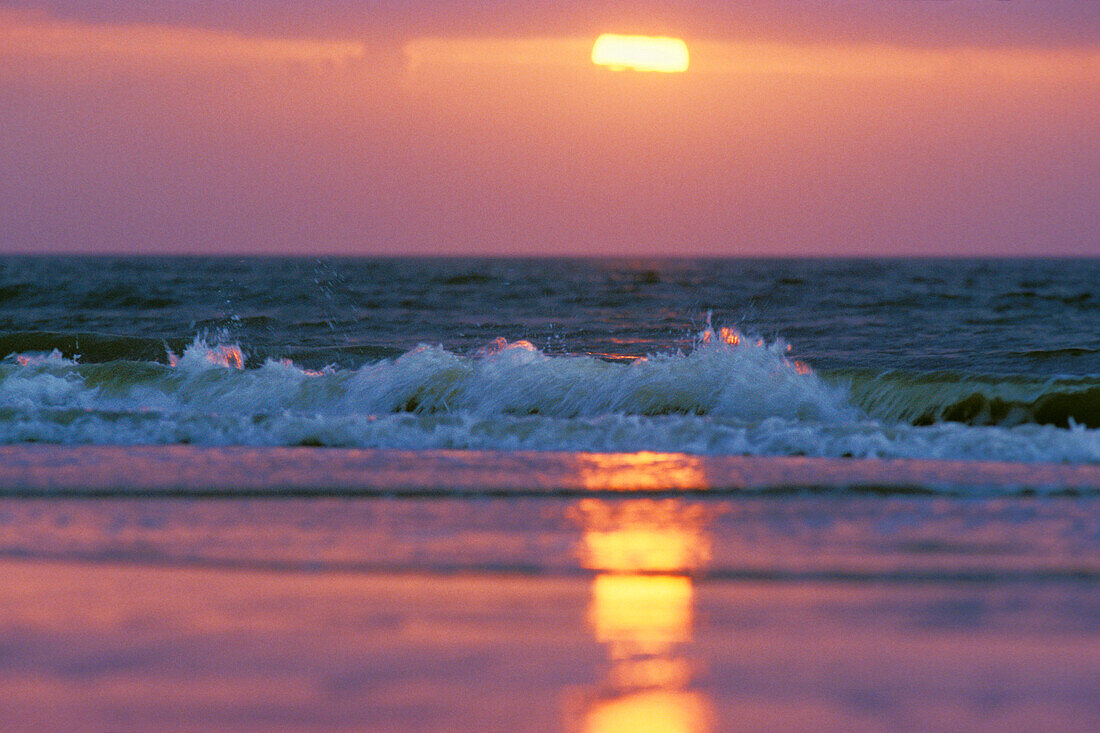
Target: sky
x=374, y=127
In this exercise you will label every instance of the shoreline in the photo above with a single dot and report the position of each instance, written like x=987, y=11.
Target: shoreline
x=248, y=472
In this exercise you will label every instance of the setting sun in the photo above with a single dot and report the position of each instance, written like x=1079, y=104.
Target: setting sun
x=640, y=53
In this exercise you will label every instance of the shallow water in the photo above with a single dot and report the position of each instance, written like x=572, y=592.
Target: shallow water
x=588, y=614
x=202, y=471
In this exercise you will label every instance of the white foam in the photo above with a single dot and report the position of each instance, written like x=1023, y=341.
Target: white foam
x=727, y=396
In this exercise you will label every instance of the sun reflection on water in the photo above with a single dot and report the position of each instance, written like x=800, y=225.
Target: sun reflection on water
x=641, y=610
x=641, y=472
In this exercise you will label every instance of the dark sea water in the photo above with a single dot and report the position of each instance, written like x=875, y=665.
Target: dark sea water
x=967, y=359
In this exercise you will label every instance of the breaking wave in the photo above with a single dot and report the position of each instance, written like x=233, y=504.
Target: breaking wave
x=727, y=395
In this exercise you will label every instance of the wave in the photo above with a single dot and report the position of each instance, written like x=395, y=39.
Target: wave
x=728, y=395
x=724, y=379
x=927, y=399
x=1050, y=354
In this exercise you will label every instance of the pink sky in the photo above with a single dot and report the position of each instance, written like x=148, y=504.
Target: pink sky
x=847, y=128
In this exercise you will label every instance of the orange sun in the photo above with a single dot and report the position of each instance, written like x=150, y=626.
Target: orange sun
x=640, y=53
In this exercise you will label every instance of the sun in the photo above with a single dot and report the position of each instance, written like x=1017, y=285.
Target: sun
x=640, y=53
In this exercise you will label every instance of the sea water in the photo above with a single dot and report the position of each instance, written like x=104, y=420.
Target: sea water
x=995, y=360
x=532, y=495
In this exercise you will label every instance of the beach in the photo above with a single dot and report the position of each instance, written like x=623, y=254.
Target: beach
x=606, y=613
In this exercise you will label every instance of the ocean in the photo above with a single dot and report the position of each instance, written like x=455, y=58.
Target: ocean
x=995, y=360
x=549, y=494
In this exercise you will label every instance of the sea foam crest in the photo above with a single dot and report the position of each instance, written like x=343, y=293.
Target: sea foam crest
x=725, y=375
x=727, y=395
x=200, y=355
x=720, y=377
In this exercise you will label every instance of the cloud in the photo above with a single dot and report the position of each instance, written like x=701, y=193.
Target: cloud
x=885, y=61
x=925, y=23
x=36, y=36
x=836, y=60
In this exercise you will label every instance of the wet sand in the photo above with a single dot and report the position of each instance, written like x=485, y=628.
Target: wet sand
x=188, y=470
x=590, y=614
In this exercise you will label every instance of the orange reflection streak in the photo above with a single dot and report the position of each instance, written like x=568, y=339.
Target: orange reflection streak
x=642, y=611
x=641, y=614
x=641, y=471
x=643, y=536
x=656, y=711
x=230, y=357
x=733, y=337
x=27, y=35
x=308, y=372
x=226, y=356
